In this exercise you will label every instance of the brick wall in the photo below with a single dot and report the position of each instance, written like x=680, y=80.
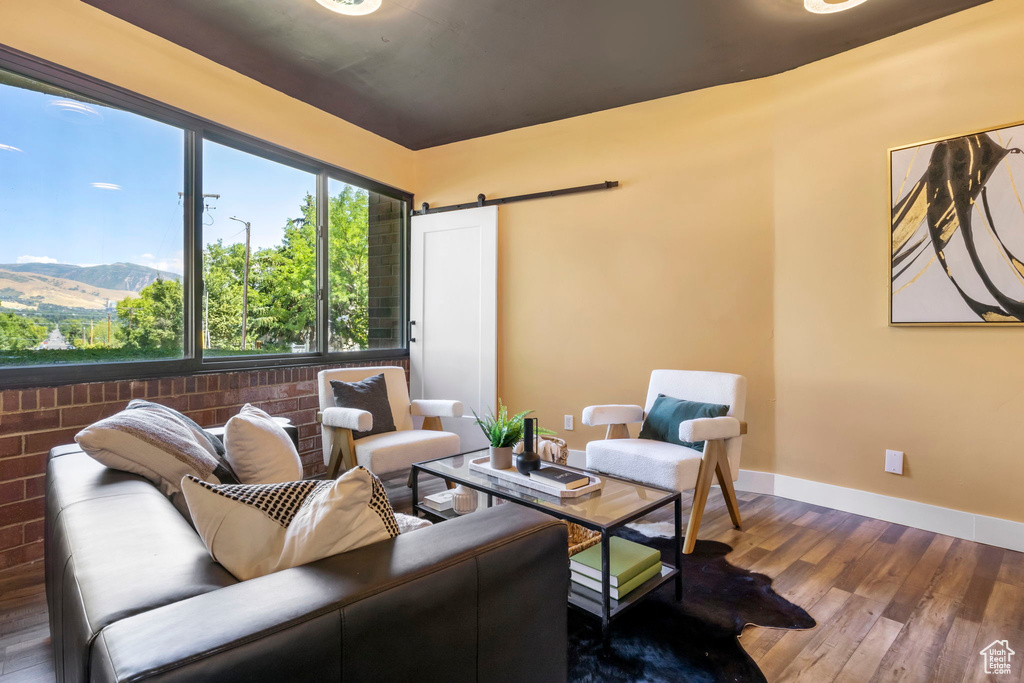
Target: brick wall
x=32, y=421
x=385, y=265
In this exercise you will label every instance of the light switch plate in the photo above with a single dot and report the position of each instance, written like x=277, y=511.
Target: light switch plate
x=894, y=462
x=568, y=423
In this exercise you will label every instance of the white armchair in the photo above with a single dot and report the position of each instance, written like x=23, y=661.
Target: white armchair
x=669, y=465
x=390, y=451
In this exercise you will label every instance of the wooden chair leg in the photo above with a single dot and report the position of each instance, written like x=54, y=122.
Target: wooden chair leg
x=343, y=453
x=700, y=494
x=433, y=424
x=724, y=474
x=617, y=431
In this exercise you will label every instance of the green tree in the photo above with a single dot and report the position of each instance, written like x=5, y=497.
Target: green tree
x=348, y=237
x=222, y=271
x=154, y=320
x=20, y=334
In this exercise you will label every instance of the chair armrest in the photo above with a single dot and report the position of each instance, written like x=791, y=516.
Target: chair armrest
x=594, y=416
x=346, y=418
x=710, y=428
x=334, y=617
x=435, y=408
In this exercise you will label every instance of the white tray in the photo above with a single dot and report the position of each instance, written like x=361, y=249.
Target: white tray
x=511, y=475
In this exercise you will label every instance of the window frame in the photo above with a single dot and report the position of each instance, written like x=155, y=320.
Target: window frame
x=196, y=131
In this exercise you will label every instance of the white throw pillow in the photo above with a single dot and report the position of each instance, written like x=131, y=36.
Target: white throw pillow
x=152, y=442
x=259, y=529
x=259, y=450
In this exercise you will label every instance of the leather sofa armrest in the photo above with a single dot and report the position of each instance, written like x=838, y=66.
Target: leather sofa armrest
x=418, y=599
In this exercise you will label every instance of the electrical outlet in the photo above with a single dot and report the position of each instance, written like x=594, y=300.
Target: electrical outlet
x=568, y=423
x=894, y=462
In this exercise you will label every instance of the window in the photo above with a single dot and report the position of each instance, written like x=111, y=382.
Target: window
x=141, y=241
x=91, y=261
x=259, y=255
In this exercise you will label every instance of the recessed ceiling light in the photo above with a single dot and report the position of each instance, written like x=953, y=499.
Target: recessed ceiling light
x=822, y=7
x=105, y=186
x=9, y=148
x=353, y=7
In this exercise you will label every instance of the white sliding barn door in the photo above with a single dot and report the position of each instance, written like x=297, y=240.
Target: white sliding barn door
x=453, y=297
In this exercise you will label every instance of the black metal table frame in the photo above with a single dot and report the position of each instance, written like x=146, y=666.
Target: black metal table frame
x=606, y=613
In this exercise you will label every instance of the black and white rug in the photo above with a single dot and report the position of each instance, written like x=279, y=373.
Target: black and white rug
x=692, y=640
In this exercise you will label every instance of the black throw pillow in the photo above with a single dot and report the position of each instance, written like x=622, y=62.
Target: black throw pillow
x=370, y=395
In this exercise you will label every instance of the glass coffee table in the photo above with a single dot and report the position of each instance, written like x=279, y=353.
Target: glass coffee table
x=617, y=504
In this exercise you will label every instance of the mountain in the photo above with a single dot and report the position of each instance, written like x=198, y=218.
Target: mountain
x=128, y=277
x=28, y=290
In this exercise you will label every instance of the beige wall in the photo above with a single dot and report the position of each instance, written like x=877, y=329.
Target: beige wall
x=757, y=207
x=848, y=386
x=80, y=37
x=671, y=270
x=747, y=236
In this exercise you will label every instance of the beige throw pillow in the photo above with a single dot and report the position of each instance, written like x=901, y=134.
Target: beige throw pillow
x=259, y=529
x=259, y=450
x=152, y=442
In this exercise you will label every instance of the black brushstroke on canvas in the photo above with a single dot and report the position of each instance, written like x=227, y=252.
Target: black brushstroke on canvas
x=660, y=640
x=957, y=175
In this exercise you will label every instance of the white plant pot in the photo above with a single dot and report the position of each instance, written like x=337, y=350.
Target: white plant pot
x=501, y=458
x=464, y=500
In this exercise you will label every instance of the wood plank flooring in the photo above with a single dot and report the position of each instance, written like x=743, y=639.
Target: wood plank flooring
x=892, y=603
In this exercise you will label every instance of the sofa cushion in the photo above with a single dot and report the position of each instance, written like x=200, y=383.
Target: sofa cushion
x=259, y=449
x=255, y=530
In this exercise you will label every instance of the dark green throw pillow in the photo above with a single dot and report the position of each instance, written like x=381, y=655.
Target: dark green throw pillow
x=662, y=422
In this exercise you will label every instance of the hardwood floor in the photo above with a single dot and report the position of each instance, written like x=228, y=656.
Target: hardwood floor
x=892, y=603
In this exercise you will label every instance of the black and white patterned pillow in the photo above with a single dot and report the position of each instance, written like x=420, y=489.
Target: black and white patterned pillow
x=259, y=529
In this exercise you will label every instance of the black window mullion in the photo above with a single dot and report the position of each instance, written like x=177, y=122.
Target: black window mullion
x=194, y=248
x=323, y=283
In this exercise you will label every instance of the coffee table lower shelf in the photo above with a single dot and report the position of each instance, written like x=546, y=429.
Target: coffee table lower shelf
x=589, y=600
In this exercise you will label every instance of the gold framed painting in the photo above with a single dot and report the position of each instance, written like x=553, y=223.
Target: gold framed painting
x=957, y=238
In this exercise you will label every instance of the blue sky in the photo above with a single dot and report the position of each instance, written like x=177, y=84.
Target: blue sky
x=86, y=184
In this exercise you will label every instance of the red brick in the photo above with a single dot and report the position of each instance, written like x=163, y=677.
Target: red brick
x=10, y=445
x=34, y=531
x=12, y=536
x=12, y=491
x=166, y=387
x=138, y=389
x=96, y=393
x=179, y=403
x=124, y=391
x=10, y=401
x=47, y=397
x=42, y=442
x=204, y=418
x=110, y=391
x=29, y=399
x=24, y=511
x=35, y=487
x=80, y=394
x=178, y=387
x=309, y=402
x=213, y=383
x=65, y=395
x=80, y=416
x=308, y=431
x=33, y=421
x=278, y=407
x=24, y=554
x=190, y=385
x=152, y=388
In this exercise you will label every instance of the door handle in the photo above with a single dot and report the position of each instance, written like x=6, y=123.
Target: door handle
x=411, y=338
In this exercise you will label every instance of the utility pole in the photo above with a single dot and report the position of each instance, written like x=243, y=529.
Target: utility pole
x=245, y=278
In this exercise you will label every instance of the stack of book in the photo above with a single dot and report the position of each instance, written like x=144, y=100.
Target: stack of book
x=631, y=564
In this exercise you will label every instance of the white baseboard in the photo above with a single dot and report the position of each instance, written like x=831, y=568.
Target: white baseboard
x=1002, y=533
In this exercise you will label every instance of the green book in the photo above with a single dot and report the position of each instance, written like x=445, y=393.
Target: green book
x=618, y=592
x=627, y=559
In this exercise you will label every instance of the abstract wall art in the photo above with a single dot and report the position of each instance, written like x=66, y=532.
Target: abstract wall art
x=957, y=240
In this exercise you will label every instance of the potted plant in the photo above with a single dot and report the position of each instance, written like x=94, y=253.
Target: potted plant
x=503, y=433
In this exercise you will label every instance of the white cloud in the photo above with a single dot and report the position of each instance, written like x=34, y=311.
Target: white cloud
x=36, y=259
x=174, y=264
